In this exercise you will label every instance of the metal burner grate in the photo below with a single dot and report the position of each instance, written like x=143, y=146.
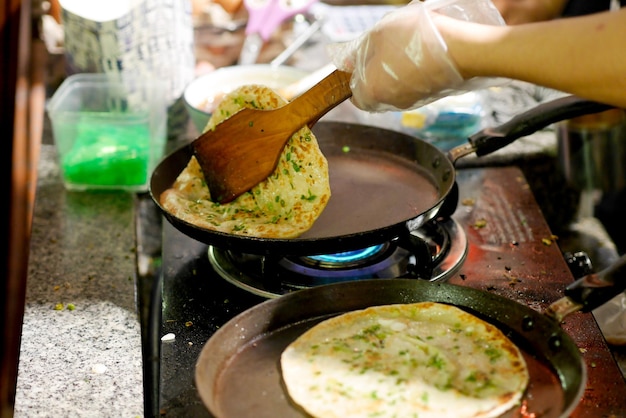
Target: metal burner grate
x=444, y=242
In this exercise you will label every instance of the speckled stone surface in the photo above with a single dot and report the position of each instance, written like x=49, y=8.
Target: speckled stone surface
x=81, y=339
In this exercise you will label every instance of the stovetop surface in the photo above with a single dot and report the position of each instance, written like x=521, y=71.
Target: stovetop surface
x=511, y=253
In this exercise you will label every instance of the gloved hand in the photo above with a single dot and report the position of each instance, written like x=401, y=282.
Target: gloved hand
x=402, y=62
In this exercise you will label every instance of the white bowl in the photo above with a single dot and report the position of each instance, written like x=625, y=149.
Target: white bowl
x=204, y=92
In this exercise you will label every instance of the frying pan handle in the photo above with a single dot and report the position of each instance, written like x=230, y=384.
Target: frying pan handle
x=492, y=139
x=596, y=289
x=591, y=291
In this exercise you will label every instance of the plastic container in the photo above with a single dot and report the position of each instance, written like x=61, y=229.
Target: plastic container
x=109, y=132
x=447, y=122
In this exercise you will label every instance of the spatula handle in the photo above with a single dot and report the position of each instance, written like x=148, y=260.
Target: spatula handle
x=310, y=106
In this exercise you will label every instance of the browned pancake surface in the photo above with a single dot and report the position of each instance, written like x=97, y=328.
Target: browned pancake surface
x=284, y=205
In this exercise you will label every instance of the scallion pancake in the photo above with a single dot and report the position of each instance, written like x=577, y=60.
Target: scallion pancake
x=422, y=360
x=284, y=205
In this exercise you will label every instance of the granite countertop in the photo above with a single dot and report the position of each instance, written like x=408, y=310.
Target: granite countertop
x=81, y=340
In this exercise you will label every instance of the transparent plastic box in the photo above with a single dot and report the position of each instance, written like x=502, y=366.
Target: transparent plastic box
x=447, y=122
x=109, y=130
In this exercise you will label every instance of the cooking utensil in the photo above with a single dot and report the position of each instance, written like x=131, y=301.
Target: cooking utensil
x=244, y=149
x=385, y=184
x=230, y=387
x=591, y=151
x=297, y=43
x=406, y=175
x=264, y=17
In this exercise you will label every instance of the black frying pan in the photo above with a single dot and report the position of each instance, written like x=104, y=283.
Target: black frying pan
x=238, y=372
x=388, y=183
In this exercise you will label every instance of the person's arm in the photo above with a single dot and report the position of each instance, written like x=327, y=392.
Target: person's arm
x=516, y=12
x=583, y=56
x=413, y=57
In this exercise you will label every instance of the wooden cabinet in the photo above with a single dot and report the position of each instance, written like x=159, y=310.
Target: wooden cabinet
x=22, y=98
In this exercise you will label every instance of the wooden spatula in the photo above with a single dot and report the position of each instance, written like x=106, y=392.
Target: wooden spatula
x=244, y=149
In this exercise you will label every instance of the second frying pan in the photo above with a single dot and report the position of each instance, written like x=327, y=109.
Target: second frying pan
x=238, y=372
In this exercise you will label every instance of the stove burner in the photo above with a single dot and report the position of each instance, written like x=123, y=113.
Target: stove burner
x=368, y=262
x=345, y=259
x=445, y=244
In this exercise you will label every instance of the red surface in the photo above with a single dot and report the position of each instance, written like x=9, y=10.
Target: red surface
x=513, y=254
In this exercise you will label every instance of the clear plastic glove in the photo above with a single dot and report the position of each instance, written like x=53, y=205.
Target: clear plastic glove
x=402, y=63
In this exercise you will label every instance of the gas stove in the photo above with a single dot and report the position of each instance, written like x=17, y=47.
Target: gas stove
x=442, y=244
x=497, y=240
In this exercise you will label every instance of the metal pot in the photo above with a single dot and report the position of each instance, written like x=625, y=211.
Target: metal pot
x=592, y=150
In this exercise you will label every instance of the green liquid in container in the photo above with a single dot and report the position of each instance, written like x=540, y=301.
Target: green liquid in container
x=107, y=153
